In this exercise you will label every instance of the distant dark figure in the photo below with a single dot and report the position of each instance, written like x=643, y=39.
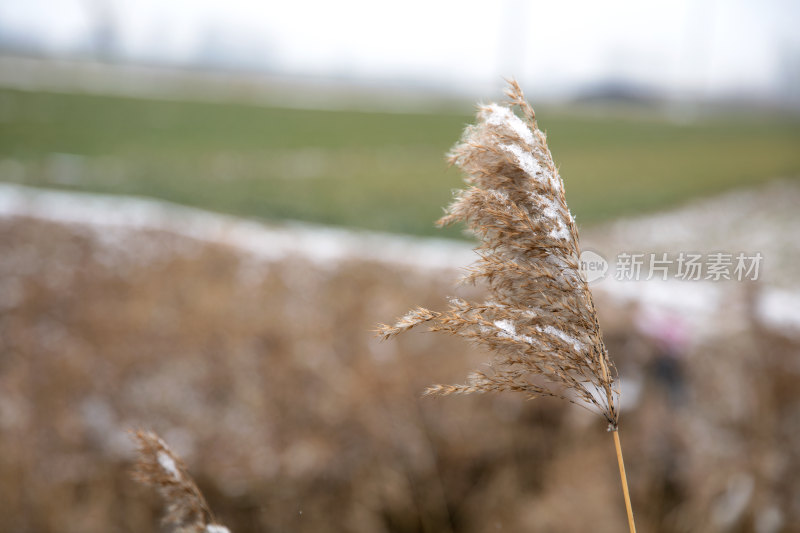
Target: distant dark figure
x=669, y=334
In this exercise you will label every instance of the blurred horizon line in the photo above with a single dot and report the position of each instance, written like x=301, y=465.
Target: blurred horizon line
x=33, y=70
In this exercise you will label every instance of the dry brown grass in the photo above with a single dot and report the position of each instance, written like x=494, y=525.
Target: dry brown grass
x=264, y=378
x=159, y=467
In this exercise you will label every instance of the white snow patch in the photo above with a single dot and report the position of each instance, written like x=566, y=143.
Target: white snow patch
x=553, y=211
x=630, y=391
x=507, y=326
x=562, y=233
x=502, y=116
x=168, y=464
x=555, y=332
x=780, y=309
x=509, y=331
x=527, y=163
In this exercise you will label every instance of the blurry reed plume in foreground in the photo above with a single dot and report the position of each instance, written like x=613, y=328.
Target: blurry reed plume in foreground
x=540, y=322
x=159, y=467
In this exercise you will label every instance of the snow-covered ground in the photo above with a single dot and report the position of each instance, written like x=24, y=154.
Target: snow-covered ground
x=273, y=242
x=762, y=220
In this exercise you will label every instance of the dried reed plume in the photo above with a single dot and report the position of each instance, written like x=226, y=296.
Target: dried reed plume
x=540, y=322
x=158, y=466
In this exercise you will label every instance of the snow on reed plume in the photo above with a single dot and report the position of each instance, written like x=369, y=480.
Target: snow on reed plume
x=540, y=321
x=160, y=467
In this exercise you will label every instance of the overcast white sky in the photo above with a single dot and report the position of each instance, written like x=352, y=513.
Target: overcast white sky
x=704, y=47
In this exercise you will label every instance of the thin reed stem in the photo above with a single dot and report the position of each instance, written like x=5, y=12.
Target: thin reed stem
x=624, y=479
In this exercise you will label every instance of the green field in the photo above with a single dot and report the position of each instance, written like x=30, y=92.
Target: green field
x=378, y=171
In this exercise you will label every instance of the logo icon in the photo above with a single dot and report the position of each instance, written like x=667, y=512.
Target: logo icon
x=593, y=266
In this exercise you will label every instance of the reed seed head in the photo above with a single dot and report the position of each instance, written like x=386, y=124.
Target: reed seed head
x=158, y=466
x=540, y=322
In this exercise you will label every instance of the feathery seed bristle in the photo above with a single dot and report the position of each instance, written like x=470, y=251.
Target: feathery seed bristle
x=541, y=322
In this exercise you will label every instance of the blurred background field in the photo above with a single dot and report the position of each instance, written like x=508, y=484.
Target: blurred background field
x=378, y=171
x=250, y=350
x=206, y=208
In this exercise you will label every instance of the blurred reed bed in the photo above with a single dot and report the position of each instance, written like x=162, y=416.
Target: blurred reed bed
x=263, y=377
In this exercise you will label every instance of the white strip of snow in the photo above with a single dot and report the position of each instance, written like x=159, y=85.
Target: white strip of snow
x=702, y=305
x=319, y=244
x=508, y=330
x=780, y=308
x=569, y=339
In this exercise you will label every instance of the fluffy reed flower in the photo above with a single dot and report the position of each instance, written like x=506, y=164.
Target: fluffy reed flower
x=160, y=467
x=540, y=322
